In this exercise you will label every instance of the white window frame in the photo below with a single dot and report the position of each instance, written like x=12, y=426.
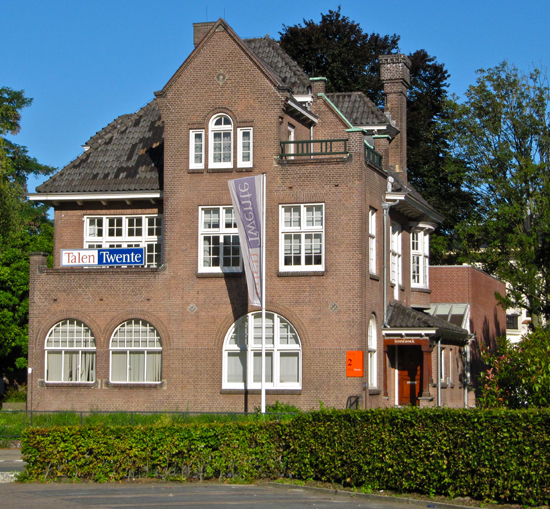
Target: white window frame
x=193, y=164
x=70, y=331
x=442, y=363
x=213, y=130
x=250, y=350
x=301, y=235
x=372, y=353
x=396, y=267
x=372, y=241
x=127, y=238
x=153, y=345
x=241, y=163
x=221, y=231
x=420, y=258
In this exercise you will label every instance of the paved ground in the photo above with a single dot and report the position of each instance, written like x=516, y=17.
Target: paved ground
x=170, y=495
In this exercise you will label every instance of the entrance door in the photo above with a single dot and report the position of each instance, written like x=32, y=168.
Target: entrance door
x=410, y=374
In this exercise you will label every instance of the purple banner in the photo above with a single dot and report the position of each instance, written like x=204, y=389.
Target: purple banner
x=247, y=197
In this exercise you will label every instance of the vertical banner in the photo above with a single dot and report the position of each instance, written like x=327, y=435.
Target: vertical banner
x=247, y=198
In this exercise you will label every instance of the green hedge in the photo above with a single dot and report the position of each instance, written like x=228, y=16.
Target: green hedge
x=500, y=455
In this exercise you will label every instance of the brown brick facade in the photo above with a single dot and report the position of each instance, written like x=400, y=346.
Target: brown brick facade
x=193, y=311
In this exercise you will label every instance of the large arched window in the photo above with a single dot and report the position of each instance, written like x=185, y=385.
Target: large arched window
x=221, y=142
x=70, y=353
x=136, y=353
x=372, y=357
x=242, y=354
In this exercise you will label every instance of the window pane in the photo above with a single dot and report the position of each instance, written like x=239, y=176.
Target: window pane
x=287, y=334
x=154, y=361
x=230, y=220
x=314, y=216
x=291, y=217
x=231, y=251
x=135, y=226
x=70, y=367
x=55, y=360
x=211, y=218
x=312, y=249
x=87, y=366
x=95, y=227
x=246, y=146
x=269, y=329
x=136, y=373
x=118, y=367
x=236, y=367
x=257, y=377
x=293, y=249
x=240, y=334
x=211, y=251
x=198, y=148
x=114, y=227
x=290, y=367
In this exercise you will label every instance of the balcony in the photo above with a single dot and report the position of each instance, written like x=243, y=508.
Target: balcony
x=313, y=148
x=373, y=157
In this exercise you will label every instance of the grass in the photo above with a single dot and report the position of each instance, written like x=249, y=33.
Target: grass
x=12, y=423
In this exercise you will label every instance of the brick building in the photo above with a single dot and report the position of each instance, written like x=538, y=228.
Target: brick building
x=465, y=296
x=347, y=242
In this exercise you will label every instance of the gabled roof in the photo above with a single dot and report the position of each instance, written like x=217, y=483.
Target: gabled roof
x=358, y=109
x=278, y=61
x=127, y=155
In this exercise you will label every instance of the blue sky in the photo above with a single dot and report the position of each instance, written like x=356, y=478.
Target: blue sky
x=86, y=62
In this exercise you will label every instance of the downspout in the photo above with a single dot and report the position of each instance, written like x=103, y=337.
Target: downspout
x=439, y=372
x=386, y=208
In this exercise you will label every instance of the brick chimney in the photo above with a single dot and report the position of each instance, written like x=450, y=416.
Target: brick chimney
x=200, y=30
x=395, y=75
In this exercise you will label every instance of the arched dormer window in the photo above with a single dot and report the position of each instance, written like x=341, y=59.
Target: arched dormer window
x=221, y=142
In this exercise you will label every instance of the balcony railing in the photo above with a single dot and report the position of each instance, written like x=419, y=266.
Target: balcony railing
x=373, y=157
x=313, y=148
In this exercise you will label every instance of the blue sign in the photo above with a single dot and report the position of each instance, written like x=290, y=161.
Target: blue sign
x=103, y=257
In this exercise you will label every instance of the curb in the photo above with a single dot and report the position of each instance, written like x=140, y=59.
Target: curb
x=374, y=498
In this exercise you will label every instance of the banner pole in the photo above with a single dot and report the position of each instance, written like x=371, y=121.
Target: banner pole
x=263, y=292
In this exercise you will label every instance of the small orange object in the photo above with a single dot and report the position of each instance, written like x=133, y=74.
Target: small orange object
x=354, y=363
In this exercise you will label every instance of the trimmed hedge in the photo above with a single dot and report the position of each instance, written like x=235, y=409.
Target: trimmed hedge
x=501, y=455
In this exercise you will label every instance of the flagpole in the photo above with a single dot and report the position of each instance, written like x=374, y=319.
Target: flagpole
x=263, y=293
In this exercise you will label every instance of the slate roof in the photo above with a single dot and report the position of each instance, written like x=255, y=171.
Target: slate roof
x=403, y=317
x=278, y=62
x=126, y=155
x=358, y=108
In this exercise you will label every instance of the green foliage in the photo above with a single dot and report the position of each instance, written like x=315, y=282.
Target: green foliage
x=518, y=375
x=16, y=394
x=24, y=227
x=501, y=455
x=501, y=132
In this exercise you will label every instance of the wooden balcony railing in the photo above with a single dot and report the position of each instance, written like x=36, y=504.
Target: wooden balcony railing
x=313, y=148
x=373, y=157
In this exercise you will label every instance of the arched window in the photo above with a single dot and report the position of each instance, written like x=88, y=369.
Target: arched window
x=136, y=353
x=372, y=357
x=221, y=142
x=70, y=353
x=242, y=354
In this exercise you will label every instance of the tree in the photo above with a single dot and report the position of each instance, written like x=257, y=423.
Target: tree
x=24, y=227
x=501, y=133
x=338, y=49
x=518, y=376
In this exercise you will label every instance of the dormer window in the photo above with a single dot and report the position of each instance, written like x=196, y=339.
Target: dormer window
x=221, y=142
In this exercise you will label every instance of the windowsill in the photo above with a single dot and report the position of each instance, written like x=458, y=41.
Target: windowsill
x=221, y=170
x=195, y=170
x=247, y=168
x=259, y=391
x=374, y=277
x=420, y=289
x=443, y=385
x=88, y=385
x=135, y=385
x=375, y=392
x=301, y=273
x=218, y=274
